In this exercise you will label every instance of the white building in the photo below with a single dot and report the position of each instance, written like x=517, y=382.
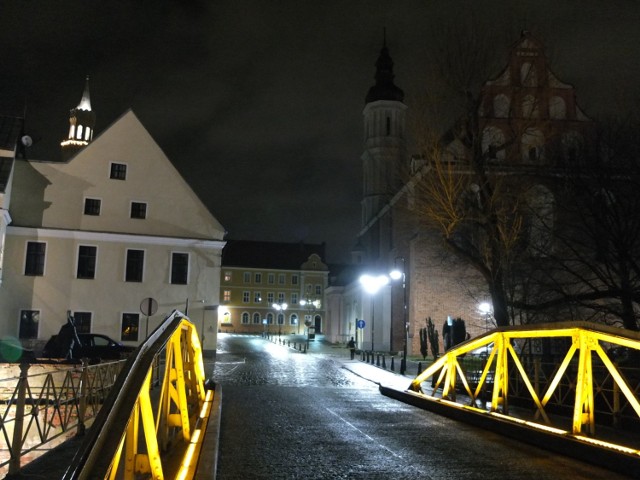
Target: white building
x=97, y=234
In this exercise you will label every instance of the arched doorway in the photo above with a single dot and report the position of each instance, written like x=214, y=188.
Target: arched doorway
x=317, y=322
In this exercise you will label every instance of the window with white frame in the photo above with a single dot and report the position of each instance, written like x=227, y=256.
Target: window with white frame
x=135, y=266
x=87, y=256
x=29, y=320
x=257, y=297
x=294, y=298
x=245, y=317
x=130, y=326
x=281, y=279
x=34, y=262
x=92, y=206
x=179, y=268
x=246, y=277
x=294, y=279
x=246, y=296
x=257, y=278
x=82, y=321
x=271, y=298
x=118, y=171
x=138, y=210
x=256, y=317
x=226, y=296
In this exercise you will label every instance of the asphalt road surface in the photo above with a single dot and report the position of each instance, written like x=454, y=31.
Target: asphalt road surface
x=290, y=415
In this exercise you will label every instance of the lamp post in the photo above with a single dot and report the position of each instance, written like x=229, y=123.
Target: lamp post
x=397, y=274
x=372, y=284
x=311, y=305
x=280, y=307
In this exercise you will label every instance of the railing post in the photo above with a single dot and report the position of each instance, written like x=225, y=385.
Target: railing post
x=16, y=444
x=82, y=408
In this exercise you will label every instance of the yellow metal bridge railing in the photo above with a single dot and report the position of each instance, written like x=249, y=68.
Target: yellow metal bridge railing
x=584, y=345
x=155, y=436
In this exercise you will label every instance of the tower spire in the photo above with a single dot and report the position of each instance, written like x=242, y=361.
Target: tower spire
x=82, y=121
x=384, y=89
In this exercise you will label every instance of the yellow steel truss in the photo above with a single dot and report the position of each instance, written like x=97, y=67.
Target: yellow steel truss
x=587, y=341
x=154, y=433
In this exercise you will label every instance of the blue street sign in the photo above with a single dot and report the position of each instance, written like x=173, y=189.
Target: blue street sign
x=360, y=324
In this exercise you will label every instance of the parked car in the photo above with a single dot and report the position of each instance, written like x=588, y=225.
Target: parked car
x=93, y=345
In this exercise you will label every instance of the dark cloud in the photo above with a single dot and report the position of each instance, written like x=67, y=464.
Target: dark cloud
x=259, y=104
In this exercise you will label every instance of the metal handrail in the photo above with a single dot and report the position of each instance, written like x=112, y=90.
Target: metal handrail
x=174, y=417
x=43, y=408
x=587, y=341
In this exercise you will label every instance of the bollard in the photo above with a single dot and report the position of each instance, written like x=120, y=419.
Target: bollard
x=384, y=364
x=377, y=360
x=305, y=349
x=288, y=343
x=392, y=367
x=367, y=357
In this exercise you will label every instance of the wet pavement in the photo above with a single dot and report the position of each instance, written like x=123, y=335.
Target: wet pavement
x=319, y=415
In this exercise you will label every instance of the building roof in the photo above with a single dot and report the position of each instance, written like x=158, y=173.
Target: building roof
x=384, y=89
x=271, y=255
x=10, y=128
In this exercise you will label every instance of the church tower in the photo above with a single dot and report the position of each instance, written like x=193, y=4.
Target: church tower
x=82, y=121
x=384, y=139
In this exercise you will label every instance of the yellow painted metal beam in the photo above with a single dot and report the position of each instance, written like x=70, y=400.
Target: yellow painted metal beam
x=587, y=340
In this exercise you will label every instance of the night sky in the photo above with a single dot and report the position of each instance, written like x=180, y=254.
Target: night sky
x=259, y=103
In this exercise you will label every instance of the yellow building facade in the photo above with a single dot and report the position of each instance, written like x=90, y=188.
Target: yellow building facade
x=272, y=288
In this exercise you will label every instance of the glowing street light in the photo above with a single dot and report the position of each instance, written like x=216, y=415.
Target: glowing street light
x=372, y=285
x=280, y=307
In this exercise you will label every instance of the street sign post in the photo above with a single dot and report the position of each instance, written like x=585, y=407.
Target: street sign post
x=148, y=307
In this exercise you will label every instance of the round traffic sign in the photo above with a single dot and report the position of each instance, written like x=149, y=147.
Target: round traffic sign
x=148, y=306
x=360, y=324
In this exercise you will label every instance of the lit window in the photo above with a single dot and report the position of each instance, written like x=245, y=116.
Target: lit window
x=79, y=137
x=92, y=206
x=226, y=296
x=130, y=323
x=227, y=276
x=34, y=264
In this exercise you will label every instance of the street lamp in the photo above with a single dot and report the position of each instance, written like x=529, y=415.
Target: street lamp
x=280, y=307
x=397, y=274
x=372, y=284
x=311, y=305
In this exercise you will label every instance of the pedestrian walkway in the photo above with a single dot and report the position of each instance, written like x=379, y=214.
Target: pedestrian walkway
x=387, y=377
